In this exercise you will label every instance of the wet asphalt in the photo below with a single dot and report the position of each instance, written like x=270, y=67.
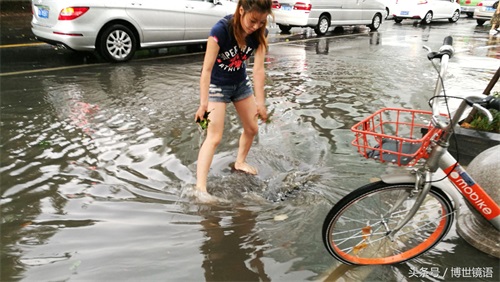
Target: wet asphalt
x=15, y=23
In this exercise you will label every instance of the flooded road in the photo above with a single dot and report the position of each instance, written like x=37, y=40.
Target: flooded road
x=96, y=162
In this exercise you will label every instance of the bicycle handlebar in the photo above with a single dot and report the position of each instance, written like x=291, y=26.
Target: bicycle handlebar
x=448, y=40
x=494, y=103
x=447, y=47
x=483, y=104
x=445, y=52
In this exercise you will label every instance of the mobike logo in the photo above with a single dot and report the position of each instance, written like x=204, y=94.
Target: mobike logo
x=465, y=183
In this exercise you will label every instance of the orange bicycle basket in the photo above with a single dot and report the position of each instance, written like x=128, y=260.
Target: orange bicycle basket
x=399, y=136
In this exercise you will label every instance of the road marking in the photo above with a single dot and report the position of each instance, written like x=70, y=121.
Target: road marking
x=22, y=45
x=93, y=65
x=136, y=60
x=49, y=69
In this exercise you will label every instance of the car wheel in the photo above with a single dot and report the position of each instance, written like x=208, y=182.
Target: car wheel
x=376, y=22
x=455, y=17
x=284, y=28
x=427, y=19
x=117, y=43
x=480, y=22
x=398, y=20
x=323, y=25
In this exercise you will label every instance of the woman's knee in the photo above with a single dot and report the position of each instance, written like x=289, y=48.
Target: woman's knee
x=213, y=139
x=251, y=130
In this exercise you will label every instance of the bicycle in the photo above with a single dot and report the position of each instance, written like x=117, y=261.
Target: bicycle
x=404, y=215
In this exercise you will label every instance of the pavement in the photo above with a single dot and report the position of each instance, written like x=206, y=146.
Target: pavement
x=15, y=22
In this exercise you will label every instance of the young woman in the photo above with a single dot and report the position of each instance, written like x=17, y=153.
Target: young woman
x=495, y=19
x=224, y=80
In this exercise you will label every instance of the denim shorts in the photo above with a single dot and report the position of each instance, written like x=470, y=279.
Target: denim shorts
x=230, y=93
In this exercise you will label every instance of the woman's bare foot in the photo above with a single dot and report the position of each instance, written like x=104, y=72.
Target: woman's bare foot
x=204, y=197
x=199, y=195
x=246, y=168
x=201, y=189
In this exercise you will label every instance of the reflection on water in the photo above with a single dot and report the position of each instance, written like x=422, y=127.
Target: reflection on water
x=232, y=244
x=94, y=164
x=494, y=43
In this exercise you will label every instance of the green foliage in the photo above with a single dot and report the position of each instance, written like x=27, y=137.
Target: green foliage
x=480, y=122
x=204, y=122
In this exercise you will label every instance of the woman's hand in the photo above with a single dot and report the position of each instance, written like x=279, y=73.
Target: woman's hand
x=262, y=112
x=200, y=113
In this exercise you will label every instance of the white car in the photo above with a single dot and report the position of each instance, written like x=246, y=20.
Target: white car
x=321, y=14
x=484, y=11
x=117, y=28
x=389, y=6
x=426, y=10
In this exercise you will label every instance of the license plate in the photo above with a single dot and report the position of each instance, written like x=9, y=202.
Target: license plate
x=286, y=8
x=490, y=9
x=43, y=12
x=405, y=13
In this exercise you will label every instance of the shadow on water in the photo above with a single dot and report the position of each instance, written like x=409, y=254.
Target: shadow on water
x=232, y=251
x=94, y=163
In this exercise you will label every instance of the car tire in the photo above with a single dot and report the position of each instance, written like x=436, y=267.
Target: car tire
x=455, y=17
x=284, y=28
x=427, y=18
x=398, y=20
x=480, y=22
x=376, y=22
x=323, y=25
x=117, y=43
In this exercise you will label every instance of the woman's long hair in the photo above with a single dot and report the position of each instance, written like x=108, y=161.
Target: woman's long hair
x=260, y=6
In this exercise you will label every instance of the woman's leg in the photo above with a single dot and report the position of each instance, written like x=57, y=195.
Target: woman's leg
x=207, y=150
x=247, y=110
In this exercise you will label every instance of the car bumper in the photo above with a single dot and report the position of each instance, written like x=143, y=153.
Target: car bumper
x=406, y=13
x=483, y=15
x=292, y=18
x=467, y=9
x=65, y=35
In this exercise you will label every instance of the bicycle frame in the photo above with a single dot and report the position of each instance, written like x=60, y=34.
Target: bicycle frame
x=441, y=158
x=374, y=224
x=471, y=190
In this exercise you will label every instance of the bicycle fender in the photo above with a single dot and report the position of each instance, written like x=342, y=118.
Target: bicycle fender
x=443, y=184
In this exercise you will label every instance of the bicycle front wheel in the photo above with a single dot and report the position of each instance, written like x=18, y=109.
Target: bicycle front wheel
x=356, y=229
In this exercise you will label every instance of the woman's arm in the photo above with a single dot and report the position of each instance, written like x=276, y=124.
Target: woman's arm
x=206, y=72
x=259, y=78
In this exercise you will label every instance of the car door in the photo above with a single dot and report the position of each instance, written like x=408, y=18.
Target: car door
x=442, y=8
x=159, y=20
x=351, y=11
x=202, y=15
x=370, y=8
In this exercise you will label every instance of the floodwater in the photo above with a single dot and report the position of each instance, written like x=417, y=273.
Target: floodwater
x=96, y=164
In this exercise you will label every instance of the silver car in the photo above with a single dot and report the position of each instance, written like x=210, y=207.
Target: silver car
x=117, y=28
x=322, y=14
x=484, y=11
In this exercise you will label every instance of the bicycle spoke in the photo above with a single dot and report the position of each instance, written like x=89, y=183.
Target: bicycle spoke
x=360, y=232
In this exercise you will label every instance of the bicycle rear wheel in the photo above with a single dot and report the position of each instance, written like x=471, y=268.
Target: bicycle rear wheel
x=356, y=229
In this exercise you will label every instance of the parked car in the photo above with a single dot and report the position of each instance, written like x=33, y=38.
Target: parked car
x=322, y=14
x=468, y=6
x=117, y=28
x=427, y=10
x=484, y=11
x=389, y=7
